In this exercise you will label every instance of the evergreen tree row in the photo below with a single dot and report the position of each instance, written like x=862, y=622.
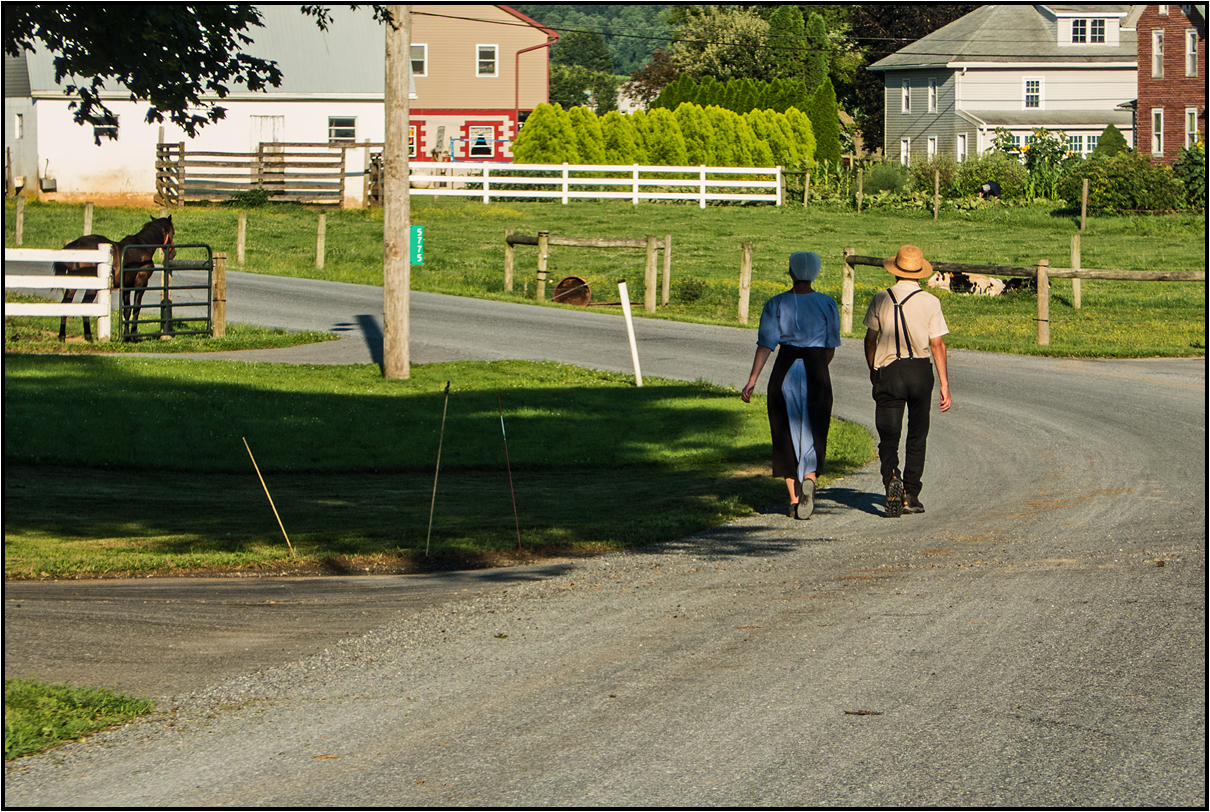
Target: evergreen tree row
x=691, y=136
x=779, y=95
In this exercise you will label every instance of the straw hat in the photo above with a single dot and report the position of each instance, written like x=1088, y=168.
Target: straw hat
x=909, y=263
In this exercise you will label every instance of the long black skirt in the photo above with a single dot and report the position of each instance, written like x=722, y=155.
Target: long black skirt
x=800, y=410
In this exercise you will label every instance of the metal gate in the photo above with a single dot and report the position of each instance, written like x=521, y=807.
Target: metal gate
x=183, y=308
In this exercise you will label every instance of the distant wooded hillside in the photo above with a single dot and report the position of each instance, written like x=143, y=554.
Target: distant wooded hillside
x=632, y=32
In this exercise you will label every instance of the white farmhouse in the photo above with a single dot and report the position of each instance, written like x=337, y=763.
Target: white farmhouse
x=1063, y=68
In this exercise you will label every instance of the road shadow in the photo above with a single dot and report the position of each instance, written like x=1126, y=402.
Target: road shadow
x=370, y=330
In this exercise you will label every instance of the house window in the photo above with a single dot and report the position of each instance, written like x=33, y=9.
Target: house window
x=961, y=147
x=481, y=143
x=1092, y=143
x=412, y=140
x=1157, y=54
x=342, y=129
x=1163, y=9
x=906, y=101
x=486, y=63
x=932, y=147
x=1157, y=131
x=18, y=126
x=105, y=131
x=1191, y=52
x=932, y=95
x=1075, y=144
x=420, y=60
x=905, y=151
x=1079, y=30
x=1190, y=126
x=1033, y=94
x=1098, y=32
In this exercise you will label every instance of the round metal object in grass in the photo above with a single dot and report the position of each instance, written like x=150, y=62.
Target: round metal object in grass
x=573, y=290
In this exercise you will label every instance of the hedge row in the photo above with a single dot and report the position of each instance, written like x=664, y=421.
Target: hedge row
x=691, y=136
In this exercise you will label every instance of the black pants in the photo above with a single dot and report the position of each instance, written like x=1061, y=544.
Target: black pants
x=906, y=382
x=819, y=407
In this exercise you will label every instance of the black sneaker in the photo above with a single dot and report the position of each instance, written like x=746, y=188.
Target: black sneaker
x=913, y=505
x=894, y=499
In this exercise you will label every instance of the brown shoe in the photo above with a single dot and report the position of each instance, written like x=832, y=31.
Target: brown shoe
x=912, y=505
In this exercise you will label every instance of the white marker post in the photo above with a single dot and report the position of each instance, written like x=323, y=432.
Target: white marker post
x=634, y=349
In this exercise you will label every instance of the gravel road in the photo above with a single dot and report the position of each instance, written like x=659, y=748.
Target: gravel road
x=1037, y=637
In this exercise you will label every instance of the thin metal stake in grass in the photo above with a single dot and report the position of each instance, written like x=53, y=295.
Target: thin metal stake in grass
x=266, y=487
x=510, y=470
x=440, y=440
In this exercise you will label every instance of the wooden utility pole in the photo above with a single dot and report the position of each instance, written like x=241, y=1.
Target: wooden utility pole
x=396, y=202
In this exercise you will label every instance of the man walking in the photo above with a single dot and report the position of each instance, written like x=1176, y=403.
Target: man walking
x=904, y=330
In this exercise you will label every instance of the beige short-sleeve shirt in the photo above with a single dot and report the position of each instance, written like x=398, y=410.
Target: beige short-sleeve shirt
x=924, y=322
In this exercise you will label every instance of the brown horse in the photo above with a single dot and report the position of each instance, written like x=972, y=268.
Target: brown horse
x=135, y=265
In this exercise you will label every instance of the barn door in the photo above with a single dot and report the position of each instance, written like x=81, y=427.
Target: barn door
x=269, y=167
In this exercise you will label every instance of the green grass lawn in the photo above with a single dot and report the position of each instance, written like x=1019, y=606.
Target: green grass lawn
x=38, y=716
x=153, y=476
x=464, y=245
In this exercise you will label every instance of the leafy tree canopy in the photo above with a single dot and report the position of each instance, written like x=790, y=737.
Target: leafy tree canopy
x=584, y=48
x=170, y=55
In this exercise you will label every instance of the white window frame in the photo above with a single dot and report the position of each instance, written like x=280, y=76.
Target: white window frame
x=1157, y=130
x=932, y=94
x=424, y=59
x=932, y=147
x=18, y=126
x=1095, y=36
x=1191, y=52
x=905, y=104
x=961, y=147
x=1025, y=105
x=1079, y=32
x=1163, y=9
x=413, y=140
x=479, y=60
x=1075, y=144
x=334, y=127
x=905, y=151
x=1157, y=53
x=1092, y=143
x=1190, y=126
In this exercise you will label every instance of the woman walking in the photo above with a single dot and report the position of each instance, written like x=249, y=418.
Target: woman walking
x=805, y=324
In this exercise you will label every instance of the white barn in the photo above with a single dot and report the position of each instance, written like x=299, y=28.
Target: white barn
x=331, y=93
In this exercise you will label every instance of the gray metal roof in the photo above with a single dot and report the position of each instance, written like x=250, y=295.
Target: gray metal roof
x=1052, y=119
x=1009, y=34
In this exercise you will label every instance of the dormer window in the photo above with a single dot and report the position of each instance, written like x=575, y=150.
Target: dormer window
x=1088, y=31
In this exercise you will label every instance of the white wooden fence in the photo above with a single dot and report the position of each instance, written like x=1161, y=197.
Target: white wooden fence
x=569, y=181
x=100, y=308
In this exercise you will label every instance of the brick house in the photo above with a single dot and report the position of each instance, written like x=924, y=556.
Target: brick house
x=1172, y=78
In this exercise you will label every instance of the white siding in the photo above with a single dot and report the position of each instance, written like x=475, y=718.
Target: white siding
x=1089, y=89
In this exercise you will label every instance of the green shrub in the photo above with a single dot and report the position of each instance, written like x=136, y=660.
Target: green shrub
x=1127, y=182
x=1190, y=169
x=1003, y=169
x=922, y=174
x=1111, y=143
x=885, y=177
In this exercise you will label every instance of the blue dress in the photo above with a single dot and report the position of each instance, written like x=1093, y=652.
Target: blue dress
x=802, y=327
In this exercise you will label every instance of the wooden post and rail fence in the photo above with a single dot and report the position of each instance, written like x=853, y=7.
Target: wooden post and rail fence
x=543, y=240
x=1042, y=272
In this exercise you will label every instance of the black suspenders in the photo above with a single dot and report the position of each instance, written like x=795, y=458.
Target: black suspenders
x=898, y=318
